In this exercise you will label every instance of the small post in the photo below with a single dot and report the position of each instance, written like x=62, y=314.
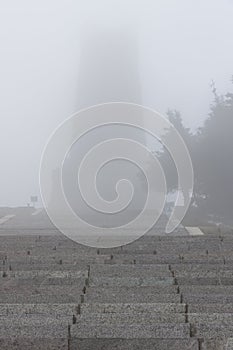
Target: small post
x=34, y=200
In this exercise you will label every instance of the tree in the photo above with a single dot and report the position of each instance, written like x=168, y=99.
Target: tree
x=211, y=151
x=215, y=158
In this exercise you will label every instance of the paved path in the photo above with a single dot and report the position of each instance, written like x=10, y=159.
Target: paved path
x=37, y=211
x=5, y=219
x=194, y=231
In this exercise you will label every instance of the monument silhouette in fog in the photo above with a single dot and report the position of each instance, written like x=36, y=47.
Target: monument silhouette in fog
x=108, y=72
x=109, y=69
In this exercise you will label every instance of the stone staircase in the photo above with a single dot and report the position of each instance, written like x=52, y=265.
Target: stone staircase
x=160, y=292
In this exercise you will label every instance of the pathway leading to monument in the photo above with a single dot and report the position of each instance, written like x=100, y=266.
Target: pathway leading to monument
x=194, y=231
x=37, y=211
x=5, y=219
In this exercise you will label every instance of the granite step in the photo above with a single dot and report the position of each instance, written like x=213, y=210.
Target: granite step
x=211, y=326
x=155, y=258
x=48, y=274
x=211, y=331
x=199, y=280
x=31, y=343
x=214, y=344
x=118, y=270
x=122, y=308
x=53, y=267
x=202, y=268
x=53, y=262
x=132, y=295
x=149, y=318
x=210, y=308
x=207, y=299
x=143, y=259
x=46, y=309
x=206, y=289
x=42, y=294
x=213, y=319
x=34, y=326
x=133, y=344
x=131, y=331
x=224, y=274
x=130, y=281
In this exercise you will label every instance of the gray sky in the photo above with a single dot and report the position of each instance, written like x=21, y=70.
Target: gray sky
x=183, y=45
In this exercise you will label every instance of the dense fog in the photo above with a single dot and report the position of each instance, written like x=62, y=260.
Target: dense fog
x=175, y=57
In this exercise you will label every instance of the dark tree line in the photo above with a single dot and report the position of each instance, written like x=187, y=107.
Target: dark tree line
x=211, y=150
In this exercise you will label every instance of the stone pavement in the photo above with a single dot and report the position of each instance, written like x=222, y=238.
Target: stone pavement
x=160, y=292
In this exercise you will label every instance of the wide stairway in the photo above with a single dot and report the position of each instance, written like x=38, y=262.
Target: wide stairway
x=160, y=292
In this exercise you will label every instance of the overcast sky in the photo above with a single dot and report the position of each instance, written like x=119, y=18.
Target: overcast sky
x=182, y=46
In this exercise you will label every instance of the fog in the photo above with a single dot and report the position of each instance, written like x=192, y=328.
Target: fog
x=53, y=58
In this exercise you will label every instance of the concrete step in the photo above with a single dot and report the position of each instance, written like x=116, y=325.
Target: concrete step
x=214, y=344
x=46, y=250
x=22, y=240
x=130, y=281
x=49, y=310
x=214, y=277
x=131, y=295
x=131, y=331
x=211, y=331
x=31, y=343
x=120, y=308
x=147, y=243
x=199, y=289
x=224, y=274
x=163, y=247
x=146, y=248
x=207, y=299
x=192, y=248
x=41, y=298
x=215, y=318
x=130, y=318
x=143, y=259
x=117, y=270
x=51, y=263
x=48, y=274
x=34, y=327
x=37, y=286
x=56, y=266
x=42, y=294
x=210, y=308
x=151, y=258
x=133, y=344
x=196, y=281
x=202, y=268
x=210, y=326
x=201, y=258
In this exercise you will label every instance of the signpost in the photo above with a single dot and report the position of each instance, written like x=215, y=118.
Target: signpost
x=34, y=200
